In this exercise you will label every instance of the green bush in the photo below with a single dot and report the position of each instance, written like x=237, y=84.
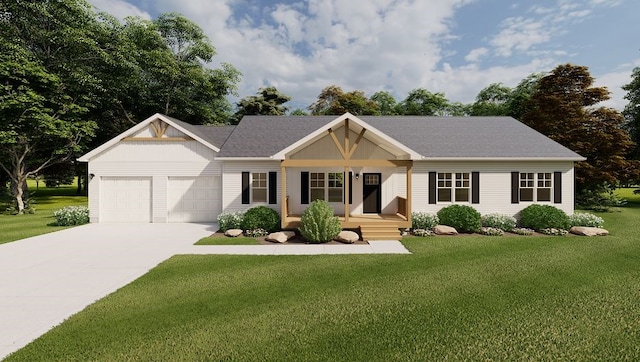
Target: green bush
x=318, y=224
x=71, y=215
x=503, y=222
x=540, y=217
x=261, y=217
x=585, y=219
x=424, y=220
x=464, y=218
x=230, y=220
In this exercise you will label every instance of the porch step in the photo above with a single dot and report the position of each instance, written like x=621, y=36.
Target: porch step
x=380, y=232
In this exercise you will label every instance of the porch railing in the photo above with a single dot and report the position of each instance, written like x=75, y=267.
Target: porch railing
x=286, y=207
x=402, y=206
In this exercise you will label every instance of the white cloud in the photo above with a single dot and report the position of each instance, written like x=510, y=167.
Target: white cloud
x=119, y=8
x=614, y=81
x=475, y=54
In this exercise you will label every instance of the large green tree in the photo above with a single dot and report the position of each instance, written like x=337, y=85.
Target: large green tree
x=334, y=101
x=387, y=104
x=492, y=101
x=632, y=111
x=47, y=54
x=421, y=102
x=268, y=101
x=565, y=107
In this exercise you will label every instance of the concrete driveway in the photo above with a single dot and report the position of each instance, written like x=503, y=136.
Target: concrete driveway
x=46, y=279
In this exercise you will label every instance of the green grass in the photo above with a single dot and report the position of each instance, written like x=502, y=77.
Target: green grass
x=224, y=240
x=454, y=298
x=47, y=200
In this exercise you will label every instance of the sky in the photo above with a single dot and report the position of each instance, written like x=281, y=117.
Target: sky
x=456, y=47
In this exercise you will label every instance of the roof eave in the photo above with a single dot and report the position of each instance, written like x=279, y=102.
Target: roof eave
x=574, y=159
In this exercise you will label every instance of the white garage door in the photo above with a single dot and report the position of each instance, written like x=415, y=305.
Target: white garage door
x=125, y=199
x=193, y=199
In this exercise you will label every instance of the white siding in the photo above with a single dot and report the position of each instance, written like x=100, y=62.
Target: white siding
x=157, y=160
x=232, y=184
x=495, y=184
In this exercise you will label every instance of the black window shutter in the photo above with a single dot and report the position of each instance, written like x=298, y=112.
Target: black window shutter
x=304, y=187
x=475, y=187
x=273, y=187
x=515, y=187
x=432, y=187
x=246, y=192
x=350, y=187
x=557, y=187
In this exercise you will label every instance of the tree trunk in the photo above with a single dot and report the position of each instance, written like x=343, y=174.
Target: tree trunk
x=18, y=193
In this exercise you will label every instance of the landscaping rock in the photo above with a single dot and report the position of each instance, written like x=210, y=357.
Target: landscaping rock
x=279, y=237
x=290, y=234
x=347, y=237
x=588, y=231
x=233, y=232
x=445, y=230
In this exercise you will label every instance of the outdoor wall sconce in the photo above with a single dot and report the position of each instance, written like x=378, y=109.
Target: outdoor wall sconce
x=357, y=176
x=91, y=176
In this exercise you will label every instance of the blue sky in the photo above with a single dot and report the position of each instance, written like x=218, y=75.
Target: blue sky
x=456, y=47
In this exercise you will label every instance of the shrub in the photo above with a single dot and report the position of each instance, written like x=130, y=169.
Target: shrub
x=318, y=224
x=423, y=232
x=72, y=215
x=540, y=217
x=256, y=233
x=522, y=231
x=491, y=231
x=585, y=219
x=500, y=221
x=230, y=220
x=462, y=217
x=261, y=217
x=600, y=198
x=424, y=220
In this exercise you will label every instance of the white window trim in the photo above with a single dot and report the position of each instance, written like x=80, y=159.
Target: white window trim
x=535, y=187
x=326, y=187
x=453, y=187
x=266, y=188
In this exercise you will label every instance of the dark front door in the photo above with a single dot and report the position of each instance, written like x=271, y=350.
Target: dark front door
x=371, y=194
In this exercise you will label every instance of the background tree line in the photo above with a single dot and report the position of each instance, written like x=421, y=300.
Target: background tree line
x=71, y=78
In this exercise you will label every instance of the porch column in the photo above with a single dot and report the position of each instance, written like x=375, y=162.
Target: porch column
x=345, y=193
x=283, y=195
x=409, y=192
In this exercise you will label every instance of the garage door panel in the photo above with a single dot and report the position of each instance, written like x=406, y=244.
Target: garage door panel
x=125, y=199
x=193, y=199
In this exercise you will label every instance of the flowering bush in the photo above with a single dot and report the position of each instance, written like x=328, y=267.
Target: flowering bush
x=424, y=220
x=256, y=233
x=230, y=220
x=491, y=231
x=585, y=219
x=522, y=231
x=72, y=215
x=423, y=232
x=503, y=222
x=554, y=231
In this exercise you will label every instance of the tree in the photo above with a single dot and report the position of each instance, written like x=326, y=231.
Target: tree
x=632, y=111
x=298, y=112
x=387, y=104
x=421, y=102
x=492, y=101
x=268, y=101
x=333, y=101
x=564, y=108
x=47, y=52
x=518, y=103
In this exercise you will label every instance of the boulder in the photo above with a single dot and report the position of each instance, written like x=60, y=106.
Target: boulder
x=347, y=237
x=588, y=231
x=445, y=230
x=233, y=232
x=290, y=234
x=279, y=237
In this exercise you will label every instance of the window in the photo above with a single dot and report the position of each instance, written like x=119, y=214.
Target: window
x=462, y=187
x=444, y=187
x=535, y=186
x=316, y=185
x=335, y=186
x=259, y=186
x=526, y=186
x=544, y=186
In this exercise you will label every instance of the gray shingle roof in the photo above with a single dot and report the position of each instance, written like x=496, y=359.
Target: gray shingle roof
x=217, y=135
x=438, y=137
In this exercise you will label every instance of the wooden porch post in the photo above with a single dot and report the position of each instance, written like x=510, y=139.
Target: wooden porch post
x=409, y=192
x=283, y=195
x=345, y=193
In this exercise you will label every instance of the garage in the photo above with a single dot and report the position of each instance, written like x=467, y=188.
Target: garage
x=193, y=199
x=126, y=199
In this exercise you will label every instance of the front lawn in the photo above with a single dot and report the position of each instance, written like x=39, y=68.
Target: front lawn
x=454, y=298
x=47, y=200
